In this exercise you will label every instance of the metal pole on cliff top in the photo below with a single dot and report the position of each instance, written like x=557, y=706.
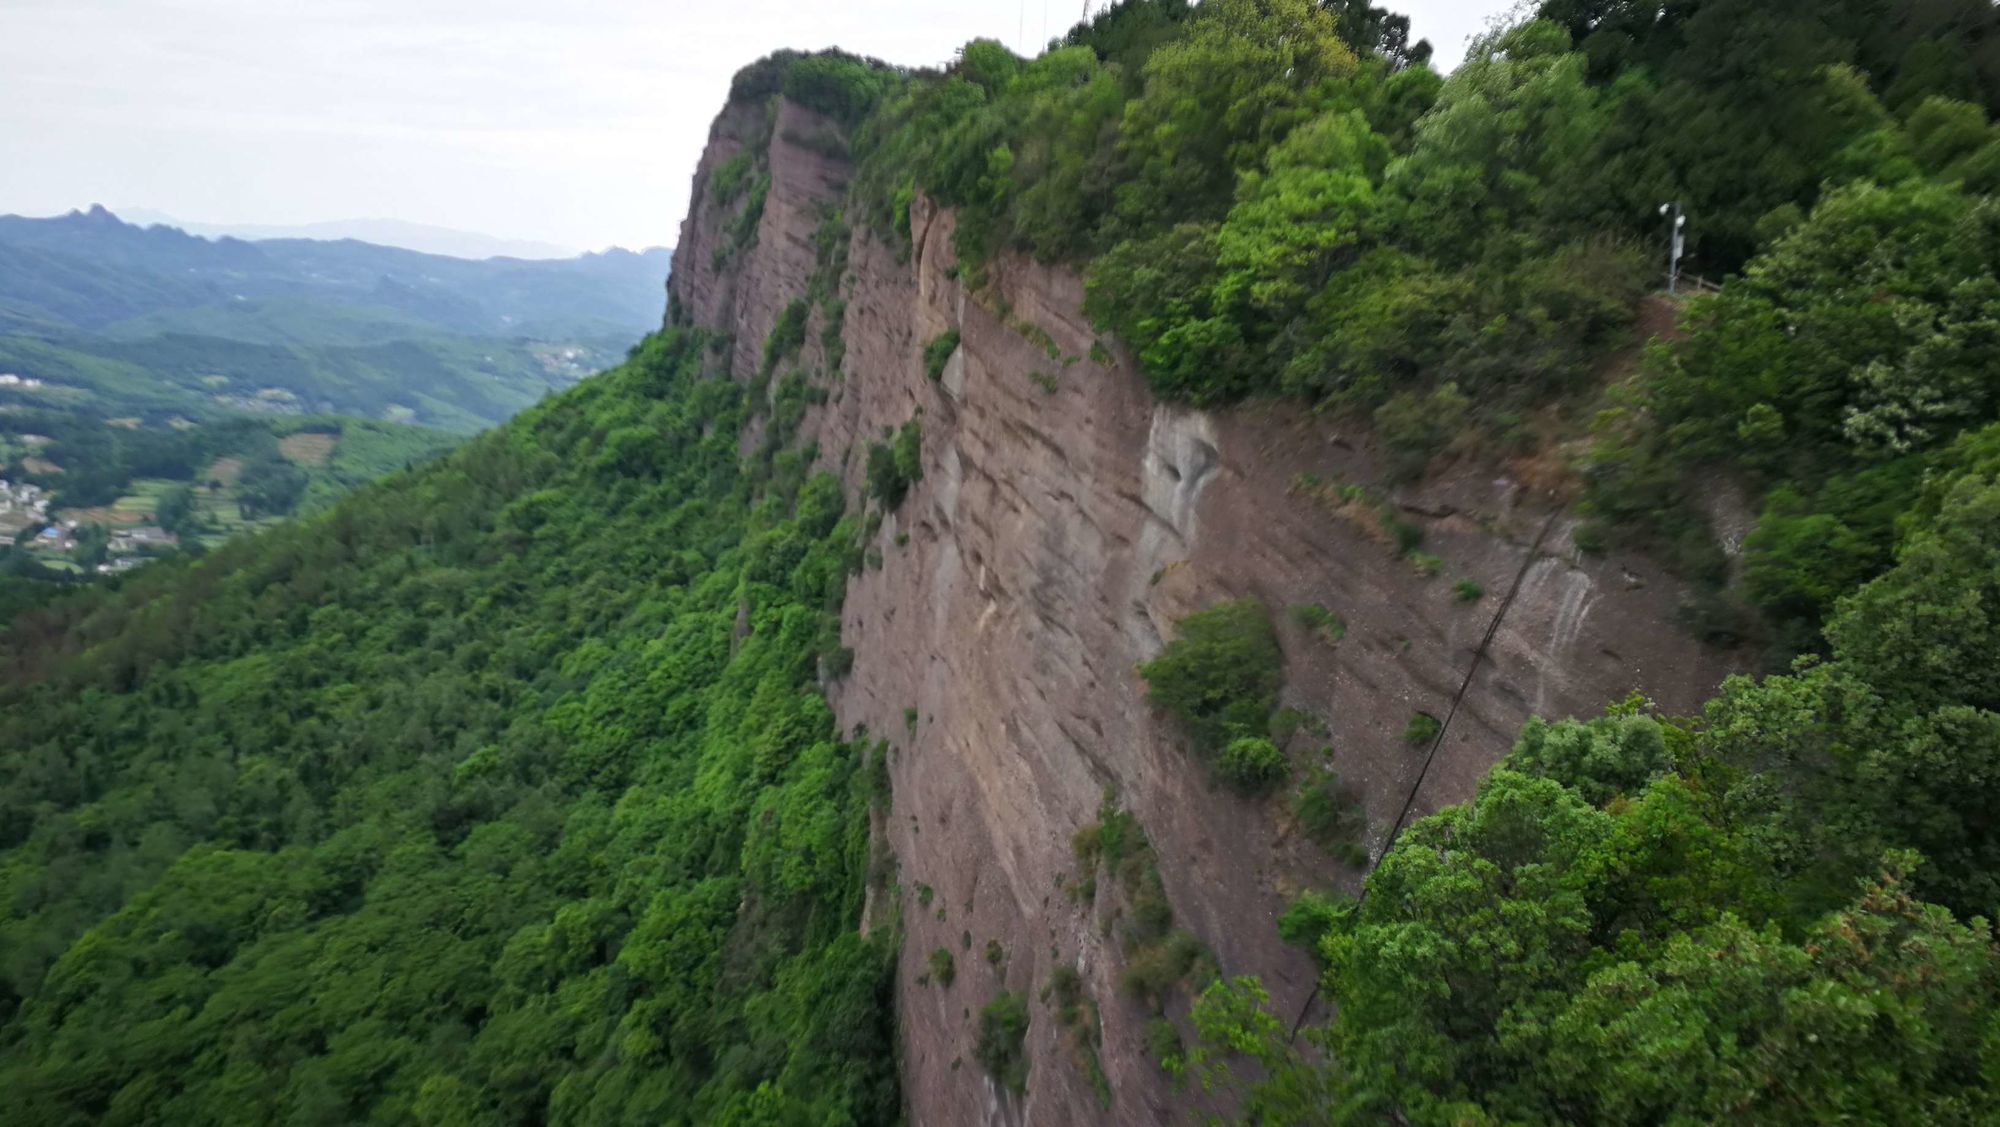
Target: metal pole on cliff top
x=1676, y=242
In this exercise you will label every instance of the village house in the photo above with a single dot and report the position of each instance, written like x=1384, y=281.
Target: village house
x=21, y=497
x=129, y=540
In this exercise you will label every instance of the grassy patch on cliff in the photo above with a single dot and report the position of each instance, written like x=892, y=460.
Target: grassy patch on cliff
x=1159, y=958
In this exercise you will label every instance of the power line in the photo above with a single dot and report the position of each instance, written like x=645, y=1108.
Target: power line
x=1478, y=658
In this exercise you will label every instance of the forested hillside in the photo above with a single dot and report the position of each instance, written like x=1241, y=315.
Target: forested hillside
x=501, y=792
x=507, y=791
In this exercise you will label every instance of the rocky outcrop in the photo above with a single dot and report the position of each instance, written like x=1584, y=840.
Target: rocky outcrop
x=1065, y=521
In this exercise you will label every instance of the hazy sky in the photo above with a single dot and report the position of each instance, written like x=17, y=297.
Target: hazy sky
x=575, y=122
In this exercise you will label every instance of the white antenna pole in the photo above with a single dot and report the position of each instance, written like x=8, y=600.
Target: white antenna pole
x=1676, y=242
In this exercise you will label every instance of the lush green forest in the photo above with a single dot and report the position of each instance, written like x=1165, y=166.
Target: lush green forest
x=501, y=792
x=505, y=791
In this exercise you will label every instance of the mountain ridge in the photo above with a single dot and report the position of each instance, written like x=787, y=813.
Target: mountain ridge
x=208, y=271
x=348, y=327
x=424, y=238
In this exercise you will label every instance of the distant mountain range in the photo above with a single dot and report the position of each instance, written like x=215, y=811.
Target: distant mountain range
x=383, y=232
x=154, y=323
x=90, y=269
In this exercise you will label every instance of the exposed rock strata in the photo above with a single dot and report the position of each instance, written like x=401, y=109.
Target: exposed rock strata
x=1054, y=540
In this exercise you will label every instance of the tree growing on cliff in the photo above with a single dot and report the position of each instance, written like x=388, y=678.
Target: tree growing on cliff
x=938, y=352
x=896, y=465
x=1003, y=1029
x=1220, y=678
x=1252, y=764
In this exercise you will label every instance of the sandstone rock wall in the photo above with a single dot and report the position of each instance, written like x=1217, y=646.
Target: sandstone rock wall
x=1065, y=521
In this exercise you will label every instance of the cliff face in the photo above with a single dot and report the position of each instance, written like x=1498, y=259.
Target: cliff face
x=1065, y=521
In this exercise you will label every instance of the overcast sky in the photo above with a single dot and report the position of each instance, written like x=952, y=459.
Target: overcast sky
x=576, y=122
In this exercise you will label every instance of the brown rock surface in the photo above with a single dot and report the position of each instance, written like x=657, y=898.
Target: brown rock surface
x=1055, y=539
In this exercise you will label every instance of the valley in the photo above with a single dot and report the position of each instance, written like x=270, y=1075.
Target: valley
x=121, y=320
x=163, y=392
